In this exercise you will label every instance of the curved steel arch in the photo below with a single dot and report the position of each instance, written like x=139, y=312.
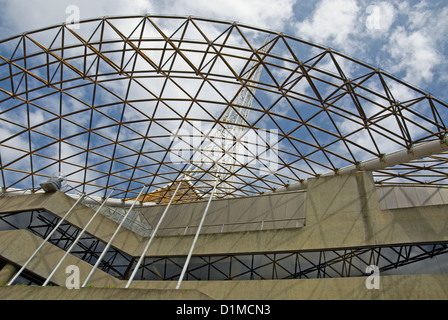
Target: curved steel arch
x=119, y=102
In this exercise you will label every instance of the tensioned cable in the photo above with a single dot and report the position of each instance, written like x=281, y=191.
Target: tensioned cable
x=45, y=241
x=112, y=238
x=187, y=262
x=76, y=240
x=142, y=256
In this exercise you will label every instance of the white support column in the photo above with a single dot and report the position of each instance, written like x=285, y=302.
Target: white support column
x=112, y=238
x=152, y=237
x=419, y=151
x=392, y=159
x=76, y=241
x=197, y=235
x=46, y=240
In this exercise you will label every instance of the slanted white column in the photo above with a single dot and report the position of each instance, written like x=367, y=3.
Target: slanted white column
x=46, y=240
x=112, y=238
x=151, y=238
x=76, y=241
x=197, y=235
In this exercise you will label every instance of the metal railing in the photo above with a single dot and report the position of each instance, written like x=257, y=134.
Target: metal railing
x=300, y=222
x=135, y=221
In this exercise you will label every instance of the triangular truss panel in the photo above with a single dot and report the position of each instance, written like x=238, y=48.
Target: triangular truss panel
x=122, y=102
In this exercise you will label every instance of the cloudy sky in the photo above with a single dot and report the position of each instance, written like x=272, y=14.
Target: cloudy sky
x=406, y=38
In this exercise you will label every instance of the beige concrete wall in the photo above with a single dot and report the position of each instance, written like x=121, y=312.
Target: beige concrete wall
x=416, y=287
x=391, y=287
x=17, y=246
x=7, y=273
x=59, y=204
x=61, y=293
x=265, y=212
x=341, y=211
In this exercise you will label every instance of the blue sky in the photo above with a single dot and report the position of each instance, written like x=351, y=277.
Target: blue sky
x=404, y=38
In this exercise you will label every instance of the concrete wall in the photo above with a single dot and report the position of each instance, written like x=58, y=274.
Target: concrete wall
x=391, y=287
x=265, y=212
x=59, y=204
x=420, y=287
x=17, y=246
x=91, y=293
x=398, y=197
x=341, y=211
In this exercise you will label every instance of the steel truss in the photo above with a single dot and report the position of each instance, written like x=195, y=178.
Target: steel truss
x=352, y=262
x=88, y=248
x=111, y=94
x=344, y=262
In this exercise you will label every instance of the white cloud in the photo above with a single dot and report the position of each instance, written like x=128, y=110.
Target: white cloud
x=333, y=23
x=380, y=18
x=414, y=46
x=414, y=53
x=19, y=142
x=21, y=15
x=271, y=14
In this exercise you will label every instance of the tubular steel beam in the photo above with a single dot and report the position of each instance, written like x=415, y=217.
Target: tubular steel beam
x=166, y=73
x=389, y=160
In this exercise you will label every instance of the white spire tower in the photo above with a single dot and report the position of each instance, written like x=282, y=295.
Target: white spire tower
x=224, y=146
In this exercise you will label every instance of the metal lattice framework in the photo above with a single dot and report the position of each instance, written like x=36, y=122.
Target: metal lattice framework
x=121, y=102
x=308, y=264
x=349, y=262
x=88, y=249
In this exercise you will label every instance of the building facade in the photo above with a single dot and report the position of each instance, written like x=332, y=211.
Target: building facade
x=201, y=159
